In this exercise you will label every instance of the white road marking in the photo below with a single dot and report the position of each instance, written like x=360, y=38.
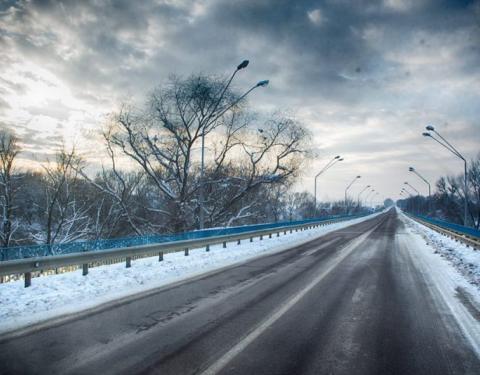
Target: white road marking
x=247, y=340
x=321, y=247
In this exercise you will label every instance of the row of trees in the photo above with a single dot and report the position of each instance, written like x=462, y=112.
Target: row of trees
x=153, y=181
x=448, y=200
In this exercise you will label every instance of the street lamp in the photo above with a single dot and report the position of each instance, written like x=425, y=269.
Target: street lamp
x=405, y=191
x=406, y=183
x=330, y=164
x=358, y=197
x=454, y=151
x=243, y=64
x=346, y=190
x=369, y=194
x=372, y=198
x=212, y=116
x=411, y=169
x=262, y=83
x=415, y=203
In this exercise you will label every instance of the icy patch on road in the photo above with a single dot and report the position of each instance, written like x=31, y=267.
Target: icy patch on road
x=56, y=295
x=465, y=259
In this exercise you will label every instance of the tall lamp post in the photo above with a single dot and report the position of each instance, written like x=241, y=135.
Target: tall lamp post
x=406, y=183
x=405, y=191
x=346, y=190
x=411, y=169
x=330, y=164
x=368, y=195
x=214, y=113
x=358, y=197
x=415, y=205
x=442, y=141
x=372, y=198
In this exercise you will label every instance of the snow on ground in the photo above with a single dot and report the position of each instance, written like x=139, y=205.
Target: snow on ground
x=464, y=259
x=451, y=271
x=57, y=295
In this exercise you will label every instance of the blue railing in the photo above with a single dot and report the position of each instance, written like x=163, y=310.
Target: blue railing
x=19, y=252
x=447, y=225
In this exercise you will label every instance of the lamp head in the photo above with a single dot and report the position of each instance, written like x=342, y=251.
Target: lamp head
x=358, y=176
x=426, y=134
x=243, y=65
x=263, y=83
x=411, y=169
x=430, y=128
x=337, y=157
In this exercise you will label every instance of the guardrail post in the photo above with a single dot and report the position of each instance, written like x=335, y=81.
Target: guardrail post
x=284, y=232
x=269, y=235
x=251, y=239
x=261, y=237
x=278, y=234
x=224, y=244
x=28, y=279
x=128, y=262
x=238, y=242
x=207, y=248
x=291, y=230
x=186, y=251
x=84, y=269
x=160, y=256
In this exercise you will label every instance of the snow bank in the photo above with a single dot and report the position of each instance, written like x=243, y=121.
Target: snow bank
x=452, y=270
x=56, y=295
x=464, y=259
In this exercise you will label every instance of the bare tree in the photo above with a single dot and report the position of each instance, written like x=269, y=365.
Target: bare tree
x=9, y=150
x=299, y=205
x=65, y=218
x=474, y=194
x=266, y=155
x=120, y=189
x=161, y=141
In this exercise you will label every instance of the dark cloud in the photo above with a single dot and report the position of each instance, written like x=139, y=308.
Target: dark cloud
x=339, y=64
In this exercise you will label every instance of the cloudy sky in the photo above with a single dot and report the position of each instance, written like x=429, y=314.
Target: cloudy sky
x=364, y=76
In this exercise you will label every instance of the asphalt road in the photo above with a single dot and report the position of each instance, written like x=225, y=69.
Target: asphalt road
x=351, y=302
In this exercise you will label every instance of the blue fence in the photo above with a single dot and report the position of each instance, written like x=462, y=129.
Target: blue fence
x=19, y=252
x=455, y=227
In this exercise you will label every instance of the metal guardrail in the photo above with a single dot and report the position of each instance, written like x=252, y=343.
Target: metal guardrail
x=468, y=236
x=87, y=259
x=29, y=251
x=457, y=228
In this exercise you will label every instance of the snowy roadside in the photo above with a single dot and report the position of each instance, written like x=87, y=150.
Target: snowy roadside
x=451, y=271
x=57, y=295
x=464, y=259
